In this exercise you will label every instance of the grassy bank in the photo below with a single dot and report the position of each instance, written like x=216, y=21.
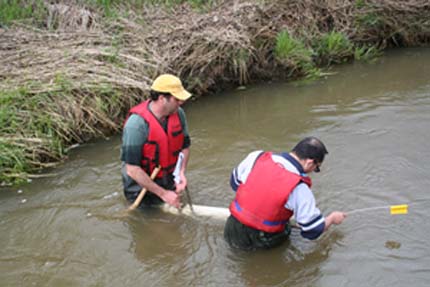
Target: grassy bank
x=70, y=71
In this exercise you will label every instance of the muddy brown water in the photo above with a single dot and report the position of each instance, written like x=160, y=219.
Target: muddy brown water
x=375, y=121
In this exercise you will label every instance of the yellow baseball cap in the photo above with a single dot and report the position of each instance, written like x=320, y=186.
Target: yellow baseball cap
x=167, y=83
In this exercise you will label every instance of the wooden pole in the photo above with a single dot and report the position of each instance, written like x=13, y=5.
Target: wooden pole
x=142, y=193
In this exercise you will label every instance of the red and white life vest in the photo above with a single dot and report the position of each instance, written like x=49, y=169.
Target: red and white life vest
x=260, y=201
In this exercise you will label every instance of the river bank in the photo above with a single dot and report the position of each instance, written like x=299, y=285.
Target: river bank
x=71, y=70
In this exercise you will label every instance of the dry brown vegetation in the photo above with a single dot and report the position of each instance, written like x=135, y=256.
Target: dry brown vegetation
x=75, y=76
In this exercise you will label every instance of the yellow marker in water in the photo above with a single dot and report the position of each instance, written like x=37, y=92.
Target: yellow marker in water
x=399, y=209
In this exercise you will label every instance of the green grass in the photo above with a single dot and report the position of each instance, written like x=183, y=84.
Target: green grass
x=367, y=53
x=110, y=7
x=333, y=47
x=369, y=21
x=36, y=12
x=18, y=10
x=13, y=162
x=294, y=53
x=239, y=64
x=37, y=127
x=193, y=3
x=25, y=128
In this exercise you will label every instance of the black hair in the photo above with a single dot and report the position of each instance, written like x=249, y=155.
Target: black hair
x=312, y=148
x=154, y=95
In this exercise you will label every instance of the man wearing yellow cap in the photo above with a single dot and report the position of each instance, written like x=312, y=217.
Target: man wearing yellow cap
x=155, y=132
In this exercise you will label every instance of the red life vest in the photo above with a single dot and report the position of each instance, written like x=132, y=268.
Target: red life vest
x=160, y=148
x=260, y=201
